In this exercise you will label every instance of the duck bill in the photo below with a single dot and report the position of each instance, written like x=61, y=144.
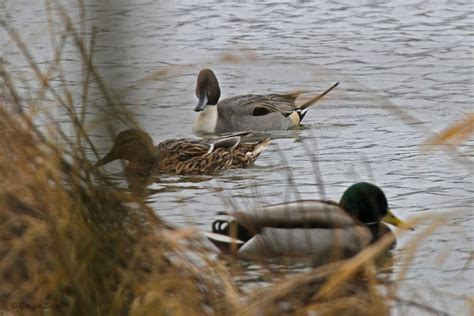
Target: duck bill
x=202, y=102
x=390, y=218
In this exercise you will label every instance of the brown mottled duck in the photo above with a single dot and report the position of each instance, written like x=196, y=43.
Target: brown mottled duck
x=182, y=156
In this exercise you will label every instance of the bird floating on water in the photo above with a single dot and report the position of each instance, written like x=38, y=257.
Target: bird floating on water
x=183, y=156
x=246, y=112
x=322, y=230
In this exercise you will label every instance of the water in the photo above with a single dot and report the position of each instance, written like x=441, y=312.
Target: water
x=414, y=56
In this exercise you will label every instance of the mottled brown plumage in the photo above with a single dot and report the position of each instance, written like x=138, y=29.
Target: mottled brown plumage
x=182, y=156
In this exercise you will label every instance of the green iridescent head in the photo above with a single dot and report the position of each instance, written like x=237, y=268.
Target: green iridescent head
x=368, y=204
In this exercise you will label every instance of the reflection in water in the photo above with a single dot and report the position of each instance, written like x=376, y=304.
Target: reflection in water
x=140, y=184
x=251, y=275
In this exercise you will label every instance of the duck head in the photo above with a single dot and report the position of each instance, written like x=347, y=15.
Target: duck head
x=133, y=145
x=207, y=89
x=368, y=204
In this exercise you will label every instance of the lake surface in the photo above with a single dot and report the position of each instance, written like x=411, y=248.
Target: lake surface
x=405, y=69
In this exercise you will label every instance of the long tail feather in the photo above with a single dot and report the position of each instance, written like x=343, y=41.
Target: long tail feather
x=312, y=101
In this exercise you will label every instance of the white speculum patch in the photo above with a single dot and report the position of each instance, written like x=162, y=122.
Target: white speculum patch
x=206, y=120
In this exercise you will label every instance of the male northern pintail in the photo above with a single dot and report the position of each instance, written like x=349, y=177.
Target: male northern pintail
x=321, y=230
x=246, y=112
x=182, y=156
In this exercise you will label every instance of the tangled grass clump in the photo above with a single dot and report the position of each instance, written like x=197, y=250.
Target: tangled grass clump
x=85, y=247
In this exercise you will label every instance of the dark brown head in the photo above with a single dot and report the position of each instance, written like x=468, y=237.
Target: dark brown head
x=133, y=145
x=207, y=89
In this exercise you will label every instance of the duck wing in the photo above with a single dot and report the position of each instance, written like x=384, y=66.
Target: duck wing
x=185, y=148
x=256, y=105
x=224, y=142
x=193, y=157
x=255, y=112
x=297, y=214
x=206, y=156
x=182, y=149
x=315, y=228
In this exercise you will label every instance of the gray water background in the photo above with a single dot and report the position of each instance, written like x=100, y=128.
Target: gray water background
x=410, y=56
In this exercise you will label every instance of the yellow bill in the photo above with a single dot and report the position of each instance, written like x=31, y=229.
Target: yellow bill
x=390, y=218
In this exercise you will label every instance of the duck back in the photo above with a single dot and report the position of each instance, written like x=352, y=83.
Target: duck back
x=254, y=112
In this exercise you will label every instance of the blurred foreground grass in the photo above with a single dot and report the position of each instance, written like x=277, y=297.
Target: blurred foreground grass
x=86, y=247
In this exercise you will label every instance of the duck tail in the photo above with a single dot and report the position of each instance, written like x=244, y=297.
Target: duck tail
x=301, y=114
x=303, y=108
x=228, y=234
x=225, y=234
x=222, y=241
x=261, y=145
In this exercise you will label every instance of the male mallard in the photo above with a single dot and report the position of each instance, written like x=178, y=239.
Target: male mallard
x=322, y=230
x=246, y=112
x=182, y=156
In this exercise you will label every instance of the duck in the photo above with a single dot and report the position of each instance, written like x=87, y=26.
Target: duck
x=321, y=230
x=246, y=112
x=182, y=156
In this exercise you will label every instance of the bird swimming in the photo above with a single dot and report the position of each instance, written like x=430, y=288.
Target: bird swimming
x=182, y=156
x=246, y=112
x=319, y=229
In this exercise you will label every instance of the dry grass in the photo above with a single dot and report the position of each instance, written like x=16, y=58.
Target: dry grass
x=84, y=246
x=454, y=134
x=68, y=238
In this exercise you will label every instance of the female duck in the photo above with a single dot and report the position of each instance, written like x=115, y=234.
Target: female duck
x=182, y=156
x=322, y=230
x=246, y=112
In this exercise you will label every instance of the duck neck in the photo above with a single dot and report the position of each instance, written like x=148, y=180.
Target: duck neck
x=378, y=230
x=140, y=165
x=206, y=120
x=141, y=159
